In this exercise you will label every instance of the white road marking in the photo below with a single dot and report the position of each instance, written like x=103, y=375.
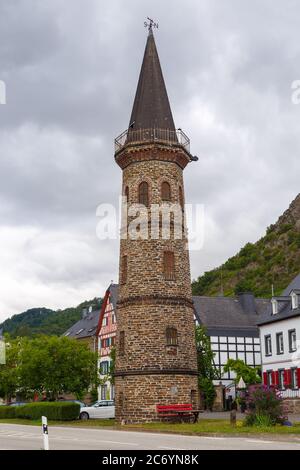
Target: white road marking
x=214, y=438
x=132, y=444
x=169, y=448
x=21, y=436
x=260, y=441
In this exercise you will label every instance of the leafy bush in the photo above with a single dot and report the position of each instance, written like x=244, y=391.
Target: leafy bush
x=285, y=228
x=52, y=410
x=245, y=285
x=7, y=412
x=250, y=375
x=206, y=367
x=265, y=406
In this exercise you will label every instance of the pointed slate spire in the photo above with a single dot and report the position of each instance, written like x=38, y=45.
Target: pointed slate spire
x=151, y=108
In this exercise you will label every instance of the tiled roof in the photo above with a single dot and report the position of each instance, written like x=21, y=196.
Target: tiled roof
x=285, y=310
x=85, y=327
x=229, y=315
x=294, y=285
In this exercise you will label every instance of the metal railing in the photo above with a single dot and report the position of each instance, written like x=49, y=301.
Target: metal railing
x=143, y=136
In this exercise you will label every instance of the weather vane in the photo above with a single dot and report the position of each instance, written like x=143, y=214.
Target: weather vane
x=151, y=24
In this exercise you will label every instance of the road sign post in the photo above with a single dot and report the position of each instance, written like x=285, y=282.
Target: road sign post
x=45, y=432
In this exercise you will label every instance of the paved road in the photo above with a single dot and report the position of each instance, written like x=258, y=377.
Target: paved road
x=17, y=437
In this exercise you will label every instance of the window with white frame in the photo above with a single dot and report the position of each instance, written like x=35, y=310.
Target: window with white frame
x=294, y=376
x=268, y=345
x=103, y=392
x=279, y=343
x=295, y=301
x=270, y=377
x=281, y=379
x=104, y=367
x=292, y=340
x=274, y=306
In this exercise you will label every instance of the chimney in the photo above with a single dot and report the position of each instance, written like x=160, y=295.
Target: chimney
x=247, y=301
x=84, y=312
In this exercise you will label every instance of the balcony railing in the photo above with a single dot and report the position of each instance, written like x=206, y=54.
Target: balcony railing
x=144, y=136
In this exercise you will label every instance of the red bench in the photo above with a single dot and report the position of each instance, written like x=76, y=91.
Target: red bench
x=178, y=411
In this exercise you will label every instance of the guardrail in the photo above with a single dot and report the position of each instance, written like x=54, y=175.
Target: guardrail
x=143, y=136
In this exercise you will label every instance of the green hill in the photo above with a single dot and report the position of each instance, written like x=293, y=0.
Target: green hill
x=45, y=321
x=274, y=259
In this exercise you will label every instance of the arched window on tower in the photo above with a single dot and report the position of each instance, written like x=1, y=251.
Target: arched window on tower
x=144, y=193
x=169, y=265
x=181, y=198
x=171, y=336
x=165, y=191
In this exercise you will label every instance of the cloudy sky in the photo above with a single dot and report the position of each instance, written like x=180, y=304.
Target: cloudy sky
x=71, y=70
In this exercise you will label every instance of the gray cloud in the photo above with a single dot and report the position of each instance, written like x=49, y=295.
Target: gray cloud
x=71, y=69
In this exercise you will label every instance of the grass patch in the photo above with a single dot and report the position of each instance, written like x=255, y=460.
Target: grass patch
x=205, y=426
x=215, y=426
x=78, y=423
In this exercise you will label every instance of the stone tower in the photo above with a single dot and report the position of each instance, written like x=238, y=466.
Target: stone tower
x=156, y=354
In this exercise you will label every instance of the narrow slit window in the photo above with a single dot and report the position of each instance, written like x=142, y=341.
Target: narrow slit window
x=166, y=191
x=171, y=337
x=181, y=198
x=124, y=269
x=169, y=265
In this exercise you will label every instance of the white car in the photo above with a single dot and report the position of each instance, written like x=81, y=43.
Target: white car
x=104, y=409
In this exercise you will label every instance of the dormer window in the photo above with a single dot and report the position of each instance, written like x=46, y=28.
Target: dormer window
x=274, y=306
x=295, y=300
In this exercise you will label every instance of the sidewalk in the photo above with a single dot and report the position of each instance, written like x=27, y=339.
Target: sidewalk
x=226, y=415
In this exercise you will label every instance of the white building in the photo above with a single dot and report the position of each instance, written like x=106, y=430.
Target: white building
x=280, y=341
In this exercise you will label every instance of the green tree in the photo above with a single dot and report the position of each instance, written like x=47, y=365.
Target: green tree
x=112, y=365
x=249, y=374
x=9, y=372
x=57, y=365
x=206, y=367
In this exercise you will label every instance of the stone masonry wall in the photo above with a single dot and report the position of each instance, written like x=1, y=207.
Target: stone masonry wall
x=140, y=395
x=148, y=371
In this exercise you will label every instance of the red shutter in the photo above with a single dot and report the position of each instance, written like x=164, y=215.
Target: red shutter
x=290, y=377
x=276, y=378
x=265, y=378
x=298, y=376
x=273, y=377
x=287, y=378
